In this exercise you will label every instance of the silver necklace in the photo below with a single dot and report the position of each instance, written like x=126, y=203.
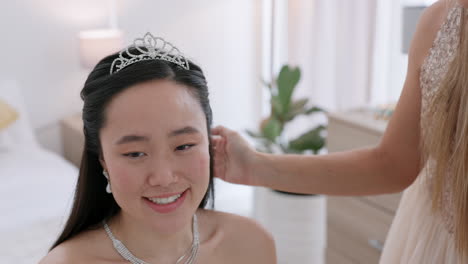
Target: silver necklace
x=126, y=254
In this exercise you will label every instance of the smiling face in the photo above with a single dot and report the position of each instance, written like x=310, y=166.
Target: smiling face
x=156, y=151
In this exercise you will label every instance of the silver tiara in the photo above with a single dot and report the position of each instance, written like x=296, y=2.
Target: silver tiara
x=150, y=48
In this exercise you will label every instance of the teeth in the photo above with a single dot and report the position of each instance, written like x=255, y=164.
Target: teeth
x=166, y=200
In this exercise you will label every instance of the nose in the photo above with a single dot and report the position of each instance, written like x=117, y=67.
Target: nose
x=162, y=172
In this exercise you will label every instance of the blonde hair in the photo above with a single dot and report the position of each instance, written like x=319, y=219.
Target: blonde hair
x=447, y=142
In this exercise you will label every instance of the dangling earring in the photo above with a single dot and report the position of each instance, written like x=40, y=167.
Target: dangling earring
x=108, y=188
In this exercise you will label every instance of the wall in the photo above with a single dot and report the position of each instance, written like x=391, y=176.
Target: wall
x=39, y=44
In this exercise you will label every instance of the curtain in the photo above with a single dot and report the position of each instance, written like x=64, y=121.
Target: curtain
x=333, y=42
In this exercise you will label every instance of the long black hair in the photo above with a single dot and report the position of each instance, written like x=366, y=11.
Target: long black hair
x=91, y=202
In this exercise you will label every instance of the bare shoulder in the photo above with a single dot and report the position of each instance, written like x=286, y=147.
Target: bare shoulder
x=56, y=256
x=241, y=239
x=87, y=247
x=63, y=253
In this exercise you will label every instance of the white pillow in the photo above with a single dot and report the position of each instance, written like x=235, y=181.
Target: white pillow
x=20, y=133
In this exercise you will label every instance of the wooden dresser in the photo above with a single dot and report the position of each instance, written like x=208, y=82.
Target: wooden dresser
x=357, y=226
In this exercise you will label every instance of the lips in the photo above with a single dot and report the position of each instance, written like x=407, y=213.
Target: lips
x=166, y=203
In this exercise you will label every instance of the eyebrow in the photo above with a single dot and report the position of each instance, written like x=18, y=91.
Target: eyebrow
x=138, y=138
x=185, y=130
x=131, y=138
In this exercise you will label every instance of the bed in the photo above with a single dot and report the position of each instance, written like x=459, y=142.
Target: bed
x=36, y=187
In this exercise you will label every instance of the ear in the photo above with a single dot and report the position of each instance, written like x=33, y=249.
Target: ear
x=103, y=162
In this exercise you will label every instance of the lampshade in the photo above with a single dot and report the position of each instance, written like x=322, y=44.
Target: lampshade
x=97, y=44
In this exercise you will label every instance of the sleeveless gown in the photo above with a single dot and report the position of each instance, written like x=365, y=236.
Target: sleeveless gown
x=417, y=234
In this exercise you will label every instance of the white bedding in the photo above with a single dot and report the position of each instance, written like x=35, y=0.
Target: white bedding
x=36, y=191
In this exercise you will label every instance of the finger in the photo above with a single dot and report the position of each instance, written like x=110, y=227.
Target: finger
x=218, y=168
x=219, y=131
x=217, y=142
x=216, y=138
x=217, y=148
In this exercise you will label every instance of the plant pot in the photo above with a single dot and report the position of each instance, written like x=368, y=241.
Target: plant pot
x=297, y=223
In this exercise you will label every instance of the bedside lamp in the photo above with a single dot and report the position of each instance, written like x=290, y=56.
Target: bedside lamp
x=97, y=44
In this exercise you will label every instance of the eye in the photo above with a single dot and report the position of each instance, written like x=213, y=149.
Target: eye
x=134, y=155
x=185, y=147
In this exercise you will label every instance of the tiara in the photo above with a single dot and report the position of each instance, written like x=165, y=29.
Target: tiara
x=150, y=48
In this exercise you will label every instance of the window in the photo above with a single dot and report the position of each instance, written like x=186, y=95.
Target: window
x=390, y=60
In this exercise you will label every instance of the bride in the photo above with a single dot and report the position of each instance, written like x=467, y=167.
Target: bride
x=146, y=172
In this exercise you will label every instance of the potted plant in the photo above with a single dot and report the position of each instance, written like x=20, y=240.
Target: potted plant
x=297, y=221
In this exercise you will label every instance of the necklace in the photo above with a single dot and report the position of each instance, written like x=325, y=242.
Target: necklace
x=126, y=254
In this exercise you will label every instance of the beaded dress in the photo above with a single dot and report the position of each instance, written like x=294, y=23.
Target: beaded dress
x=418, y=235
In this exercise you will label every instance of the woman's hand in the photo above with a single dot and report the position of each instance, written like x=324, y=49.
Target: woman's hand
x=234, y=159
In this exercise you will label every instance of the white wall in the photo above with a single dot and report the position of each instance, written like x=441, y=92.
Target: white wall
x=39, y=46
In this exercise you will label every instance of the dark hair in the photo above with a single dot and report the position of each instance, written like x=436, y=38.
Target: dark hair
x=91, y=202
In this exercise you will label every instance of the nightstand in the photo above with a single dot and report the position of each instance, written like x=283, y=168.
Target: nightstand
x=357, y=226
x=72, y=138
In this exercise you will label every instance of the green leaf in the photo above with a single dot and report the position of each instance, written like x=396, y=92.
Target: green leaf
x=297, y=108
x=277, y=106
x=272, y=129
x=314, y=109
x=311, y=140
x=299, y=104
x=287, y=80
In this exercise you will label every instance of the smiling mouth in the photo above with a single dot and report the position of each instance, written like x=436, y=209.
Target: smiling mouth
x=166, y=200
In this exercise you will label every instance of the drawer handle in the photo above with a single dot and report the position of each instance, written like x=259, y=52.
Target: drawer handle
x=376, y=244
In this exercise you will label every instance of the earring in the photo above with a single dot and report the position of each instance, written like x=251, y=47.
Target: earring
x=108, y=188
